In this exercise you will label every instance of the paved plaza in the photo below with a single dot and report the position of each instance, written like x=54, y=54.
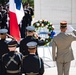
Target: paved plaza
x=53, y=71
x=45, y=52
x=50, y=66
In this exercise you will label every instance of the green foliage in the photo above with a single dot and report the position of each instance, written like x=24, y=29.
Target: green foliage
x=23, y=1
x=45, y=24
x=3, y=2
x=31, y=2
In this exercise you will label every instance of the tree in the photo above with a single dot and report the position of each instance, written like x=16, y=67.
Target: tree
x=3, y=2
x=31, y=2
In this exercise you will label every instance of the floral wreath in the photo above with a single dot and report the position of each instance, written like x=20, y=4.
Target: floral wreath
x=49, y=26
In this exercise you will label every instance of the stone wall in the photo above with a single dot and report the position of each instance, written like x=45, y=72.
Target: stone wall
x=55, y=10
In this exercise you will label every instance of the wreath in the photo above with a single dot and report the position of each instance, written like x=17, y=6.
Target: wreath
x=49, y=27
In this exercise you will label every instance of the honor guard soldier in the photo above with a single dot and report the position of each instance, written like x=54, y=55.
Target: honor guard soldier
x=26, y=21
x=3, y=17
x=61, y=48
x=11, y=61
x=3, y=45
x=29, y=37
x=31, y=11
x=32, y=64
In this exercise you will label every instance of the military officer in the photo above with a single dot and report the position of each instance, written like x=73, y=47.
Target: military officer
x=30, y=37
x=26, y=21
x=28, y=7
x=61, y=49
x=11, y=61
x=3, y=45
x=36, y=66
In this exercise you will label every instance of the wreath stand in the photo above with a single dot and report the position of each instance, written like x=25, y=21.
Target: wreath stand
x=44, y=28
x=46, y=58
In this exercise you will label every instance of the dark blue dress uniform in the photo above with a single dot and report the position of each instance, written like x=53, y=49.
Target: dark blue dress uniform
x=26, y=21
x=3, y=18
x=23, y=46
x=11, y=61
x=3, y=43
x=32, y=64
x=3, y=46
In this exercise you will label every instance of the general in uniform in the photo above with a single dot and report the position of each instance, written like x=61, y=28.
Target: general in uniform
x=61, y=49
x=30, y=37
x=11, y=62
x=32, y=64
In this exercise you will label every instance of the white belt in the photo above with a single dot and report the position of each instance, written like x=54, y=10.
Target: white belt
x=32, y=73
x=16, y=71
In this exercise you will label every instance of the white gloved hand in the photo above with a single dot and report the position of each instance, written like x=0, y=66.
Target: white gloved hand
x=70, y=28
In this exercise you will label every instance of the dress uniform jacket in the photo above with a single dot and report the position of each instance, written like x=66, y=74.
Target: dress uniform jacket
x=11, y=63
x=62, y=42
x=32, y=65
x=3, y=47
x=3, y=50
x=26, y=21
x=4, y=21
x=24, y=48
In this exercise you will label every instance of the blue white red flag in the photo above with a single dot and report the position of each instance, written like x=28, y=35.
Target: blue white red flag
x=16, y=14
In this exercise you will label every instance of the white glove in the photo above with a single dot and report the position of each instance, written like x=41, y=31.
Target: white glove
x=70, y=28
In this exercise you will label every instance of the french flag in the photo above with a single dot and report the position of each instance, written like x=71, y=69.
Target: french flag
x=16, y=14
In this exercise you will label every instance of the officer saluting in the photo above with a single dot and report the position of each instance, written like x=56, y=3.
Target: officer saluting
x=11, y=62
x=3, y=45
x=29, y=37
x=61, y=48
x=32, y=64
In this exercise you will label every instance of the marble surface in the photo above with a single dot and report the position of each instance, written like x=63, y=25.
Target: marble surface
x=55, y=10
